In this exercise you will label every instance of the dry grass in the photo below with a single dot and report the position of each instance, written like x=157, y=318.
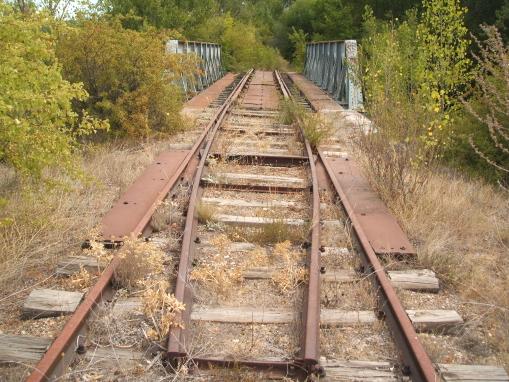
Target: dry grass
x=358, y=295
x=291, y=272
x=290, y=112
x=462, y=233
x=274, y=232
x=205, y=213
x=51, y=223
x=316, y=129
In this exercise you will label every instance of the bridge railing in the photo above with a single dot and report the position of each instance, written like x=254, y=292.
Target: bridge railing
x=210, y=69
x=330, y=65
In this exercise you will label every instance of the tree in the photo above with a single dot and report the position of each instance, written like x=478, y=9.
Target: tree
x=128, y=74
x=444, y=66
x=184, y=16
x=413, y=73
x=298, y=39
x=502, y=21
x=333, y=20
x=39, y=126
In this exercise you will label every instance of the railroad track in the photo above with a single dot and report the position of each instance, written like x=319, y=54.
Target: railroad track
x=287, y=262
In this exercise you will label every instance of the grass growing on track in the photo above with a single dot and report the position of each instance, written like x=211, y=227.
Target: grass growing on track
x=315, y=128
x=205, y=213
x=268, y=234
x=460, y=229
x=139, y=259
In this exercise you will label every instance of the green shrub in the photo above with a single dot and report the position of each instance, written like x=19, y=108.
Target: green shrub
x=38, y=127
x=298, y=40
x=128, y=75
x=412, y=73
x=290, y=112
x=242, y=48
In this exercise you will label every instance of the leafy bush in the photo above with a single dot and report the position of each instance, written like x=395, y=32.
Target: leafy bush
x=412, y=73
x=128, y=75
x=298, y=39
x=39, y=128
x=242, y=49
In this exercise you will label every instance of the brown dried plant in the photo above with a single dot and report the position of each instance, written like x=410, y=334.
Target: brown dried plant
x=81, y=280
x=205, y=213
x=161, y=308
x=218, y=274
x=291, y=272
x=139, y=259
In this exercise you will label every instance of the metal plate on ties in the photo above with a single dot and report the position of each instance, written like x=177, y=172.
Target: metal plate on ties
x=383, y=231
x=134, y=208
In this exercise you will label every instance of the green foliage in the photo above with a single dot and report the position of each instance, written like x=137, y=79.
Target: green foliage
x=502, y=19
x=298, y=39
x=421, y=63
x=319, y=19
x=183, y=16
x=413, y=73
x=275, y=20
x=442, y=49
x=241, y=46
x=128, y=75
x=460, y=155
x=39, y=128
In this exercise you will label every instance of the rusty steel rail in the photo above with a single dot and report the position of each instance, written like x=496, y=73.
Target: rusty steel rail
x=417, y=362
x=310, y=349
x=51, y=362
x=177, y=337
x=309, y=357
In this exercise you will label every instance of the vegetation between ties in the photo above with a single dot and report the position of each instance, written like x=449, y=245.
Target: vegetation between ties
x=315, y=129
x=80, y=91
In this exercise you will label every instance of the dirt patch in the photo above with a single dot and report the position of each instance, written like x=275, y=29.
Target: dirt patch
x=244, y=341
x=358, y=343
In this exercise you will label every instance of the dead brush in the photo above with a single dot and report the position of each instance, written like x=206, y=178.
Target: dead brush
x=161, y=308
x=224, y=146
x=291, y=271
x=162, y=216
x=48, y=223
x=81, y=280
x=205, y=213
x=218, y=275
x=139, y=260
